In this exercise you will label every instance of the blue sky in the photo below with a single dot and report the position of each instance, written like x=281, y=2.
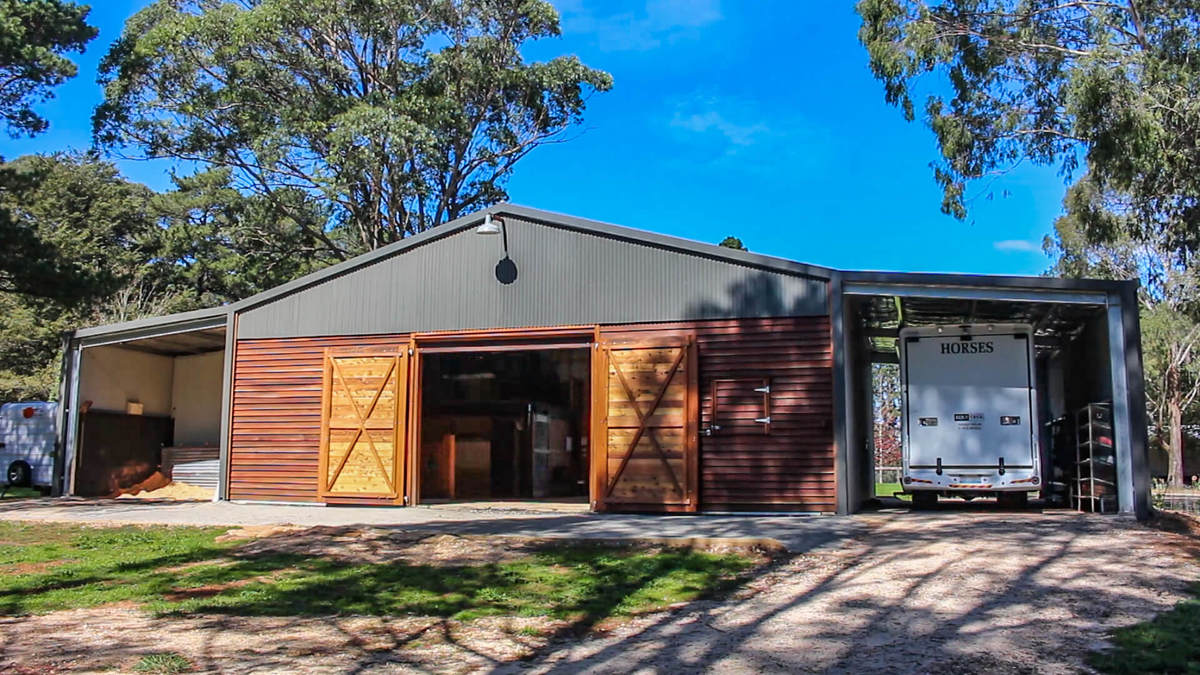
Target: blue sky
x=756, y=119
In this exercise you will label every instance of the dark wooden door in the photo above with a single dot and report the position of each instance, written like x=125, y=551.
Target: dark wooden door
x=646, y=414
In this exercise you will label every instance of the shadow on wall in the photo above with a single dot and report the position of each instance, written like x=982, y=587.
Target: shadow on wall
x=759, y=295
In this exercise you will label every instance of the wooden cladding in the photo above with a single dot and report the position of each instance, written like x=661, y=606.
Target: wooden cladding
x=644, y=430
x=275, y=431
x=743, y=466
x=279, y=405
x=364, y=411
x=739, y=406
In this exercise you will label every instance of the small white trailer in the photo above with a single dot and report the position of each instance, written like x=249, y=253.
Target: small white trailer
x=27, y=441
x=969, y=419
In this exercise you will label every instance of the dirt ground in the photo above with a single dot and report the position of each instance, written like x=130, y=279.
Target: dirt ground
x=938, y=592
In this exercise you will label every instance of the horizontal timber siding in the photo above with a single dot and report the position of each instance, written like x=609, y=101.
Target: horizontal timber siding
x=276, y=423
x=276, y=427
x=792, y=467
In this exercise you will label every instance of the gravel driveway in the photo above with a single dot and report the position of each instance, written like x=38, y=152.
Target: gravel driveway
x=901, y=592
x=942, y=593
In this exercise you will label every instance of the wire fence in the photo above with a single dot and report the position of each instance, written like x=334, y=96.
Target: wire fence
x=1188, y=502
x=887, y=474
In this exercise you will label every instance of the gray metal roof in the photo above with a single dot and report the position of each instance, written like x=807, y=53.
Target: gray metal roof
x=206, y=318
x=209, y=317
x=934, y=280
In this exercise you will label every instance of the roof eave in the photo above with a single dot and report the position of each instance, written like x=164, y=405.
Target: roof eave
x=209, y=317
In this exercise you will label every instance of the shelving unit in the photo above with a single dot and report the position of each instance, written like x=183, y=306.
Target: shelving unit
x=1095, y=487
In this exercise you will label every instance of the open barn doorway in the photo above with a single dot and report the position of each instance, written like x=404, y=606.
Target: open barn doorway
x=505, y=425
x=145, y=415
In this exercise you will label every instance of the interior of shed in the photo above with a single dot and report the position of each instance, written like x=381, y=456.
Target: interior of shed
x=149, y=410
x=1073, y=371
x=510, y=425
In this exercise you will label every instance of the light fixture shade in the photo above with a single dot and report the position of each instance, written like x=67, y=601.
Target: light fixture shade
x=489, y=226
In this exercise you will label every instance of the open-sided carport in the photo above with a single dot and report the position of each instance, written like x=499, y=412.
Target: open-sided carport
x=131, y=389
x=1088, y=350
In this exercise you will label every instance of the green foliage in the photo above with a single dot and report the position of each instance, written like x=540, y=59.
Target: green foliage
x=97, y=241
x=85, y=230
x=93, y=221
x=1165, y=644
x=396, y=115
x=221, y=245
x=101, y=249
x=34, y=35
x=1101, y=236
x=1113, y=84
x=734, y=243
x=183, y=570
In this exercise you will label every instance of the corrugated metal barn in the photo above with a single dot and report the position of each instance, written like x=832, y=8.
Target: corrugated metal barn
x=564, y=359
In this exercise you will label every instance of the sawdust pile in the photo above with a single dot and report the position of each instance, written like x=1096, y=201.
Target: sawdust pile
x=158, y=486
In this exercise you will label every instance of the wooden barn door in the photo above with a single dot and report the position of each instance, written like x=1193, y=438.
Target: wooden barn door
x=645, y=415
x=363, y=413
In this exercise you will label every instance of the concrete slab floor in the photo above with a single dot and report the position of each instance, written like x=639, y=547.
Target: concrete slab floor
x=794, y=532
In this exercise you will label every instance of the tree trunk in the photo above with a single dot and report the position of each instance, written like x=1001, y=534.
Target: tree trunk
x=1174, y=442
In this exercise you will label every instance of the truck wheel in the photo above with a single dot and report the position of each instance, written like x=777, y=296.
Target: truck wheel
x=1013, y=500
x=19, y=474
x=924, y=500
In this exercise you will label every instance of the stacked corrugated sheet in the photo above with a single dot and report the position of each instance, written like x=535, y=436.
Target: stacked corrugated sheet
x=195, y=466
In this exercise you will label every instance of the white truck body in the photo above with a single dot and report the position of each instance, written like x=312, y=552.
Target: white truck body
x=969, y=418
x=28, y=434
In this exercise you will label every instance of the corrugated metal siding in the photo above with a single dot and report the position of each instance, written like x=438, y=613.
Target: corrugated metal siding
x=566, y=277
x=792, y=467
x=276, y=415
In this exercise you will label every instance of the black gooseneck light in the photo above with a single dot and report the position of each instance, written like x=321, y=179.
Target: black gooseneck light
x=506, y=269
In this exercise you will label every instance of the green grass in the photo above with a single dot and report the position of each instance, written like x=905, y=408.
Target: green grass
x=889, y=490
x=21, y=493
x=183, y=570
x=165, y=663
x=1168, y=643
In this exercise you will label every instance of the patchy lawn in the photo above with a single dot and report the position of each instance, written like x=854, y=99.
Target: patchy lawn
x=77, y=597
x=340, y=571
x=20, y=493
x=1168, y=643
x=889, y=490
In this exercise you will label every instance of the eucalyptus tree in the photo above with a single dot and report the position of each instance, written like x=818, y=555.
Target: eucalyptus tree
x=100, y=230
x=1108, y=91
x=35, y=36
x=397, y=114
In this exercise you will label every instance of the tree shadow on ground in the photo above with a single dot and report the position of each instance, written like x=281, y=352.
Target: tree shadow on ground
x=880, y=606
x=1025, y=591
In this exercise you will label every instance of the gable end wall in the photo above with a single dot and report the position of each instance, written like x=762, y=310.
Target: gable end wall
x=565, y=277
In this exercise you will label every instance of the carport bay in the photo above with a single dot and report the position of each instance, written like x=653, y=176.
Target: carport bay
x=133, y=389
x=1087, y=347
